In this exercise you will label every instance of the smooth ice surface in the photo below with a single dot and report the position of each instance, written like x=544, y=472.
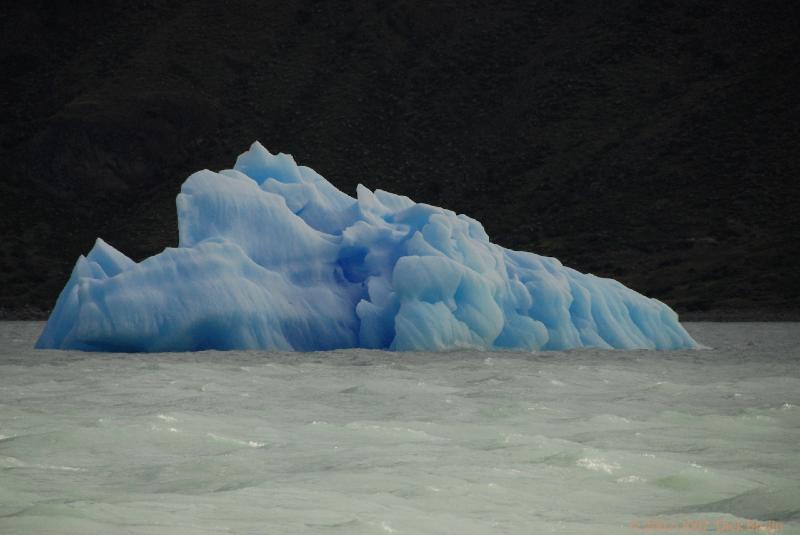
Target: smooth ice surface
x=272, y=256
x=583, y=442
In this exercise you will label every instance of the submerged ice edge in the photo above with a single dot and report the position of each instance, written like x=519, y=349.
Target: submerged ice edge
x=272, y=256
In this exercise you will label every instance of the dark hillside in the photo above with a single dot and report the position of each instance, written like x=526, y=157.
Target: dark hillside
x=655, y=142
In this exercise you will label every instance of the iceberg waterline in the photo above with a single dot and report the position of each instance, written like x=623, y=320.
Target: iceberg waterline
x=272, y=256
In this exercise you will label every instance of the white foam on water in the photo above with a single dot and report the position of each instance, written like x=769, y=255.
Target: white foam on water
x=598, y=465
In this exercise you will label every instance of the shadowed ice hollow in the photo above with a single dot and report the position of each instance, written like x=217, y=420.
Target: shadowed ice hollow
x=273, y=256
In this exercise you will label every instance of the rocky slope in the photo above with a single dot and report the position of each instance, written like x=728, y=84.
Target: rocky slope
x=654, y=141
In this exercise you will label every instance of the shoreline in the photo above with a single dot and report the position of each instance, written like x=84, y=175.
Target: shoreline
x=716, y=316
x=744, y=316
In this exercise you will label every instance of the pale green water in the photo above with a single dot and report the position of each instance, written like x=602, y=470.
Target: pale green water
x=583, y=442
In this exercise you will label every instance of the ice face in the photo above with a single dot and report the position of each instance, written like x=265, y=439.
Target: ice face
x=272, y=256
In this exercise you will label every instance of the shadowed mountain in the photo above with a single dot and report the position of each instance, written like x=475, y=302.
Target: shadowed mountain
x=655, y=142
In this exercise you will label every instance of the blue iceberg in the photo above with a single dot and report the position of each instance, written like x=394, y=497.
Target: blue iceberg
x=272, y=256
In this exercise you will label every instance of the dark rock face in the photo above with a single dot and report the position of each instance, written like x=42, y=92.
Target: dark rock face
x=654, y=142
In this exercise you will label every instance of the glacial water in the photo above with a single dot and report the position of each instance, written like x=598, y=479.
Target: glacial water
x=371, y=442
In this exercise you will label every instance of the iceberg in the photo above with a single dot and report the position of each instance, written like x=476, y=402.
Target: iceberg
x=272, y=256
